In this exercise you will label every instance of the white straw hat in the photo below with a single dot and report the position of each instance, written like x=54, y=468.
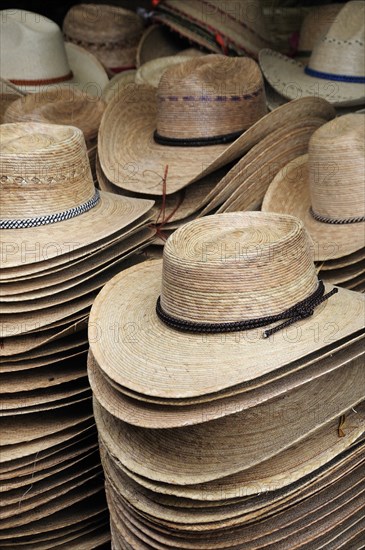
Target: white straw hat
x=336, y=68
x=35, y=57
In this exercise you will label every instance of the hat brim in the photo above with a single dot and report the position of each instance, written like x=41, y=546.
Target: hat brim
x=132, y=160
x=110, y=215
x=289, y=193
x=88, y=73
x=169, y=414
x=288, y=78
x=150, y=354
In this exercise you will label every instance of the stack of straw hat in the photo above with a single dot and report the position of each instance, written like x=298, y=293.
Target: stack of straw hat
x=228, y=394
x=152, y=142
x=111, y=33
x=326, y=189
x=61, y=240
x=335, y=69
x=68, y=107
x=34, y=56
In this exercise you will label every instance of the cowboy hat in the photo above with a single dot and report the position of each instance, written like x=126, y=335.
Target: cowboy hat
x=336, y=66
x=163, y=127
x=42, y=58
x=111, y=33
x=61, y=204
x=326, y=188
x=275, y=254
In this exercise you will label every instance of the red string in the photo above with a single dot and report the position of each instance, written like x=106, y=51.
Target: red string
x=40, y=82
x=222, y=43
x=162, y=212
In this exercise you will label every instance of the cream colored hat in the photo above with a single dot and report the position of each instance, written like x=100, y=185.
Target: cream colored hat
x=35, y=57
x=49, y=197
x=326, y=188
x=336, y=66
x=314, y=27
x=111, y=33
x=145, y=130
x=259, y=265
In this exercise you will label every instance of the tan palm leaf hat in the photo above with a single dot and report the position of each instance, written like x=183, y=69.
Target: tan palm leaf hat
x=326, y=188
x=151, y=71
x=111, y=33
x=61, y=205
x=163, y=127
x=259, y=265
x=34, y=56
x=336, y=66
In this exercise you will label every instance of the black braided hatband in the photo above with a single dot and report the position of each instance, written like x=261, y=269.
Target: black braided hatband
x=324, y=219
x=196, y=142
x=299, y=311
x=52, y=218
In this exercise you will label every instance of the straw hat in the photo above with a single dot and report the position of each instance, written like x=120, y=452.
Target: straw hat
x=326, y=188
x=68, y=107
x=228, y=27
x=61, y=204
x=163, y=127
x=151, y=71
x=158, y=41
x=273, y=252
x=314, y=27
x=8, y=94
x=111, y=33
x=336, y=66
x=42, y=58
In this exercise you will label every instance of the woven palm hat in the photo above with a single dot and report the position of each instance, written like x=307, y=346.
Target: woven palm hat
x=314, y=27
x=274, y=254
x=68, y=107
x=42, y=59
x=336, y=66
x=61, y=204
x=326, y=188
x=158, y=41
x=219, y=26
x=147, y=129
x=111, y=33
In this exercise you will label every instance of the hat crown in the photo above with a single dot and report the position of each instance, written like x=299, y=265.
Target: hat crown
x=209, y=96
x=341, y=50
x=234, y=267
x=336, y=164
x=316, y=24
x=32, y=47
x=44, y=170
x=101, y=22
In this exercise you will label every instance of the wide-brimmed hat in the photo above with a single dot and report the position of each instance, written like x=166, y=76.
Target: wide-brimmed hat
x=336, y=66
x=326, y=188
x=164, y=126
x=111, y=33
x=228, y=27
x=259, y=266
x=34, y=56
x=61, y=205
x=314, y=27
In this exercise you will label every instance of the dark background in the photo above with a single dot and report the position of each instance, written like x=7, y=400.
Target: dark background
x=57, y=9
